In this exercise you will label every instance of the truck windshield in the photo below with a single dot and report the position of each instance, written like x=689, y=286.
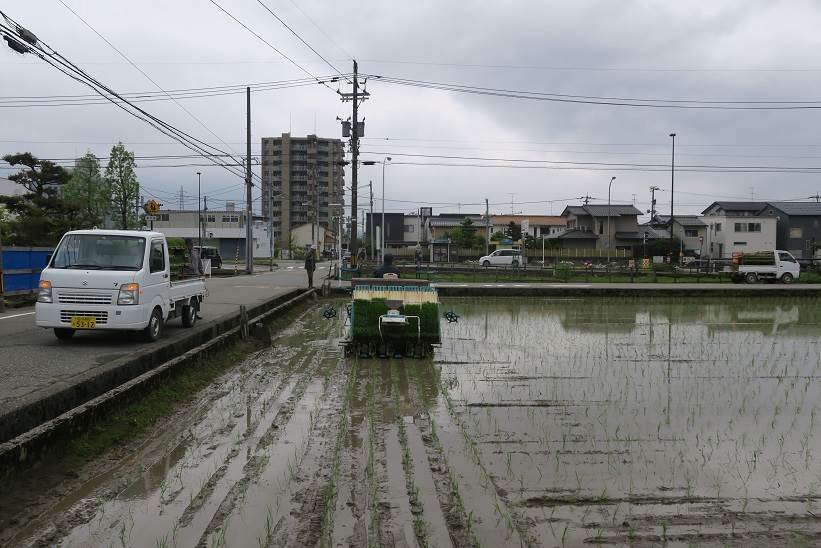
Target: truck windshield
x=100, y=252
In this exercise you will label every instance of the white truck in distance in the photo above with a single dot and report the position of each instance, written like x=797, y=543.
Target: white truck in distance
x=114, y=280
x=767, y=265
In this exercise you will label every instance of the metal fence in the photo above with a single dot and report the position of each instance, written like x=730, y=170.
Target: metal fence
x=20, y=269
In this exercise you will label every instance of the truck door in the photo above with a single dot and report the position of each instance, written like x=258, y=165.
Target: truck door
x=787, y=263
x=157, y=279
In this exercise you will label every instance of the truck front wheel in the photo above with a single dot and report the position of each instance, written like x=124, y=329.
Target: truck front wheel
x=153, y=330
x=786, y=278
x=63, y=333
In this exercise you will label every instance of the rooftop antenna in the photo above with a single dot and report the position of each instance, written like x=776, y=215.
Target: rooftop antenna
x=512, y=196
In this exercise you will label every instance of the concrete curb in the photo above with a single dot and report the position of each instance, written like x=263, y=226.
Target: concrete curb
x=48, y=421
x=666, y=290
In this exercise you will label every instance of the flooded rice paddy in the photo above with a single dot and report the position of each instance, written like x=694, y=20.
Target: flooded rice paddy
x=551, y=422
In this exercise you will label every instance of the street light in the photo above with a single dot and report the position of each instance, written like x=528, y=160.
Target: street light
x=672, y=187
x=382, y=248
x=608, y=220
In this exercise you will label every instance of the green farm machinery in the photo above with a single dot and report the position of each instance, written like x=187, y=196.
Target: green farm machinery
x=392, y=318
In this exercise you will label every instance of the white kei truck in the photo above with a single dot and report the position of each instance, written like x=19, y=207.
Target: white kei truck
x=776, y=265
x=114, y=280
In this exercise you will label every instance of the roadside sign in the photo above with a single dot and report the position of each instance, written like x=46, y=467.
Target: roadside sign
x=150, y=217
x=152, y=207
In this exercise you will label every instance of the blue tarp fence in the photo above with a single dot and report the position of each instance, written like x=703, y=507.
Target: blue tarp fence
x=22, y=267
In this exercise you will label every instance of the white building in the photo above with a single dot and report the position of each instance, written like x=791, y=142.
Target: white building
x=224, y=229
x=737, y=227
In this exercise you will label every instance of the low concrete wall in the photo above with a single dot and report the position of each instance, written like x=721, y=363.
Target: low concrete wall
x=40, y=424
x=643, y=290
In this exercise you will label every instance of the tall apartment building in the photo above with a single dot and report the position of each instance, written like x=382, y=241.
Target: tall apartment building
x=305, y=174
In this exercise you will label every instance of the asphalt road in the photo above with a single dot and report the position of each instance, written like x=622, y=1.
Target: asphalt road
x=33, y=361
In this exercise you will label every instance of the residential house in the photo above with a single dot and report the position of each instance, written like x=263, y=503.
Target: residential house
x=437, y=227
x=690, y=230
x=737, y=227
x=798, y=227
x=540, y=225
x=587, y=227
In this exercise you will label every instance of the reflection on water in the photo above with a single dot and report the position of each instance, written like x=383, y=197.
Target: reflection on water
x=596, y=411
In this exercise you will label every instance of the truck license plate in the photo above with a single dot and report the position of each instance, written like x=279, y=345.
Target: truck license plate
x=83, y=322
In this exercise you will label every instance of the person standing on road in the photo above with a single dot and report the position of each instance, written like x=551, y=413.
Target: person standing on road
x=386, y=267
x=310, y=266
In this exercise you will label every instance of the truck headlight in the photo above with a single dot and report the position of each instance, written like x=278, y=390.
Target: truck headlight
x=44, y=292
x=129, y=294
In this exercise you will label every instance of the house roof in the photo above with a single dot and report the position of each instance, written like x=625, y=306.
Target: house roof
x=683, y=220
x=436, y=222
x=535, y=220
x=798, y=208
x=574, y=234
x=737, y=206
x=600, y=210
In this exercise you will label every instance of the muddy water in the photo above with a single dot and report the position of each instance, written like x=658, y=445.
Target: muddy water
x=538, y=423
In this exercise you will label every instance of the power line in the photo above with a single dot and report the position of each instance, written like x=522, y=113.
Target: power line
x=267, y=43
x=150, y=79
x=779, y=169
x=325, y=34
x=601, y=100
x=589, y=69
x=26, y=42
x=45, y=101
x=278, y=18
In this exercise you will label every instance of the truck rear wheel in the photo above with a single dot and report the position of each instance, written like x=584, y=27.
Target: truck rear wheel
x=63, y=333
x=153, y=330
x=751, y=278
x=786, y=278
x=189, y=313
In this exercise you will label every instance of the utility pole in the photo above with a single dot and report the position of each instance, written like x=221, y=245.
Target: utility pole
x=205, y=215
x=487, y=227
x=370, y=185
x=653, y=190
x=249, y=247
x=586, y=199
x=672, y=187
x=199, y=211
x=2, y=288
x=271, y=227
x=354, y=98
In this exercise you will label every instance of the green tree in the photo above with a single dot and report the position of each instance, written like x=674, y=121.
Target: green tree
x=40, y=216
x=87, y=189
x=513, y=231
x=465, y=235
x=498, y=235
x=120, y=176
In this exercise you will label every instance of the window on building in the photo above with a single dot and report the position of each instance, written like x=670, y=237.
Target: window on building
x=601, y=227
x=409, y=228
x=230, y=218
x=691, y=233
x=740, y=243
x=796, y=232
x=748, y=227
x=162, y=217
x=718, y=227
x=210, y=218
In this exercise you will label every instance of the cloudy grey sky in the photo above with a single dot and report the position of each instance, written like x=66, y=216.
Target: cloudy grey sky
x=699, y=50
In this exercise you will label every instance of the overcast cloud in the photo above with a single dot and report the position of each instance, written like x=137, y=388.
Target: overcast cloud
x=710, y=50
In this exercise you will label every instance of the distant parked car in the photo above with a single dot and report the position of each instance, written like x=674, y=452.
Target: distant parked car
x=210, y=252
x=502, y=257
